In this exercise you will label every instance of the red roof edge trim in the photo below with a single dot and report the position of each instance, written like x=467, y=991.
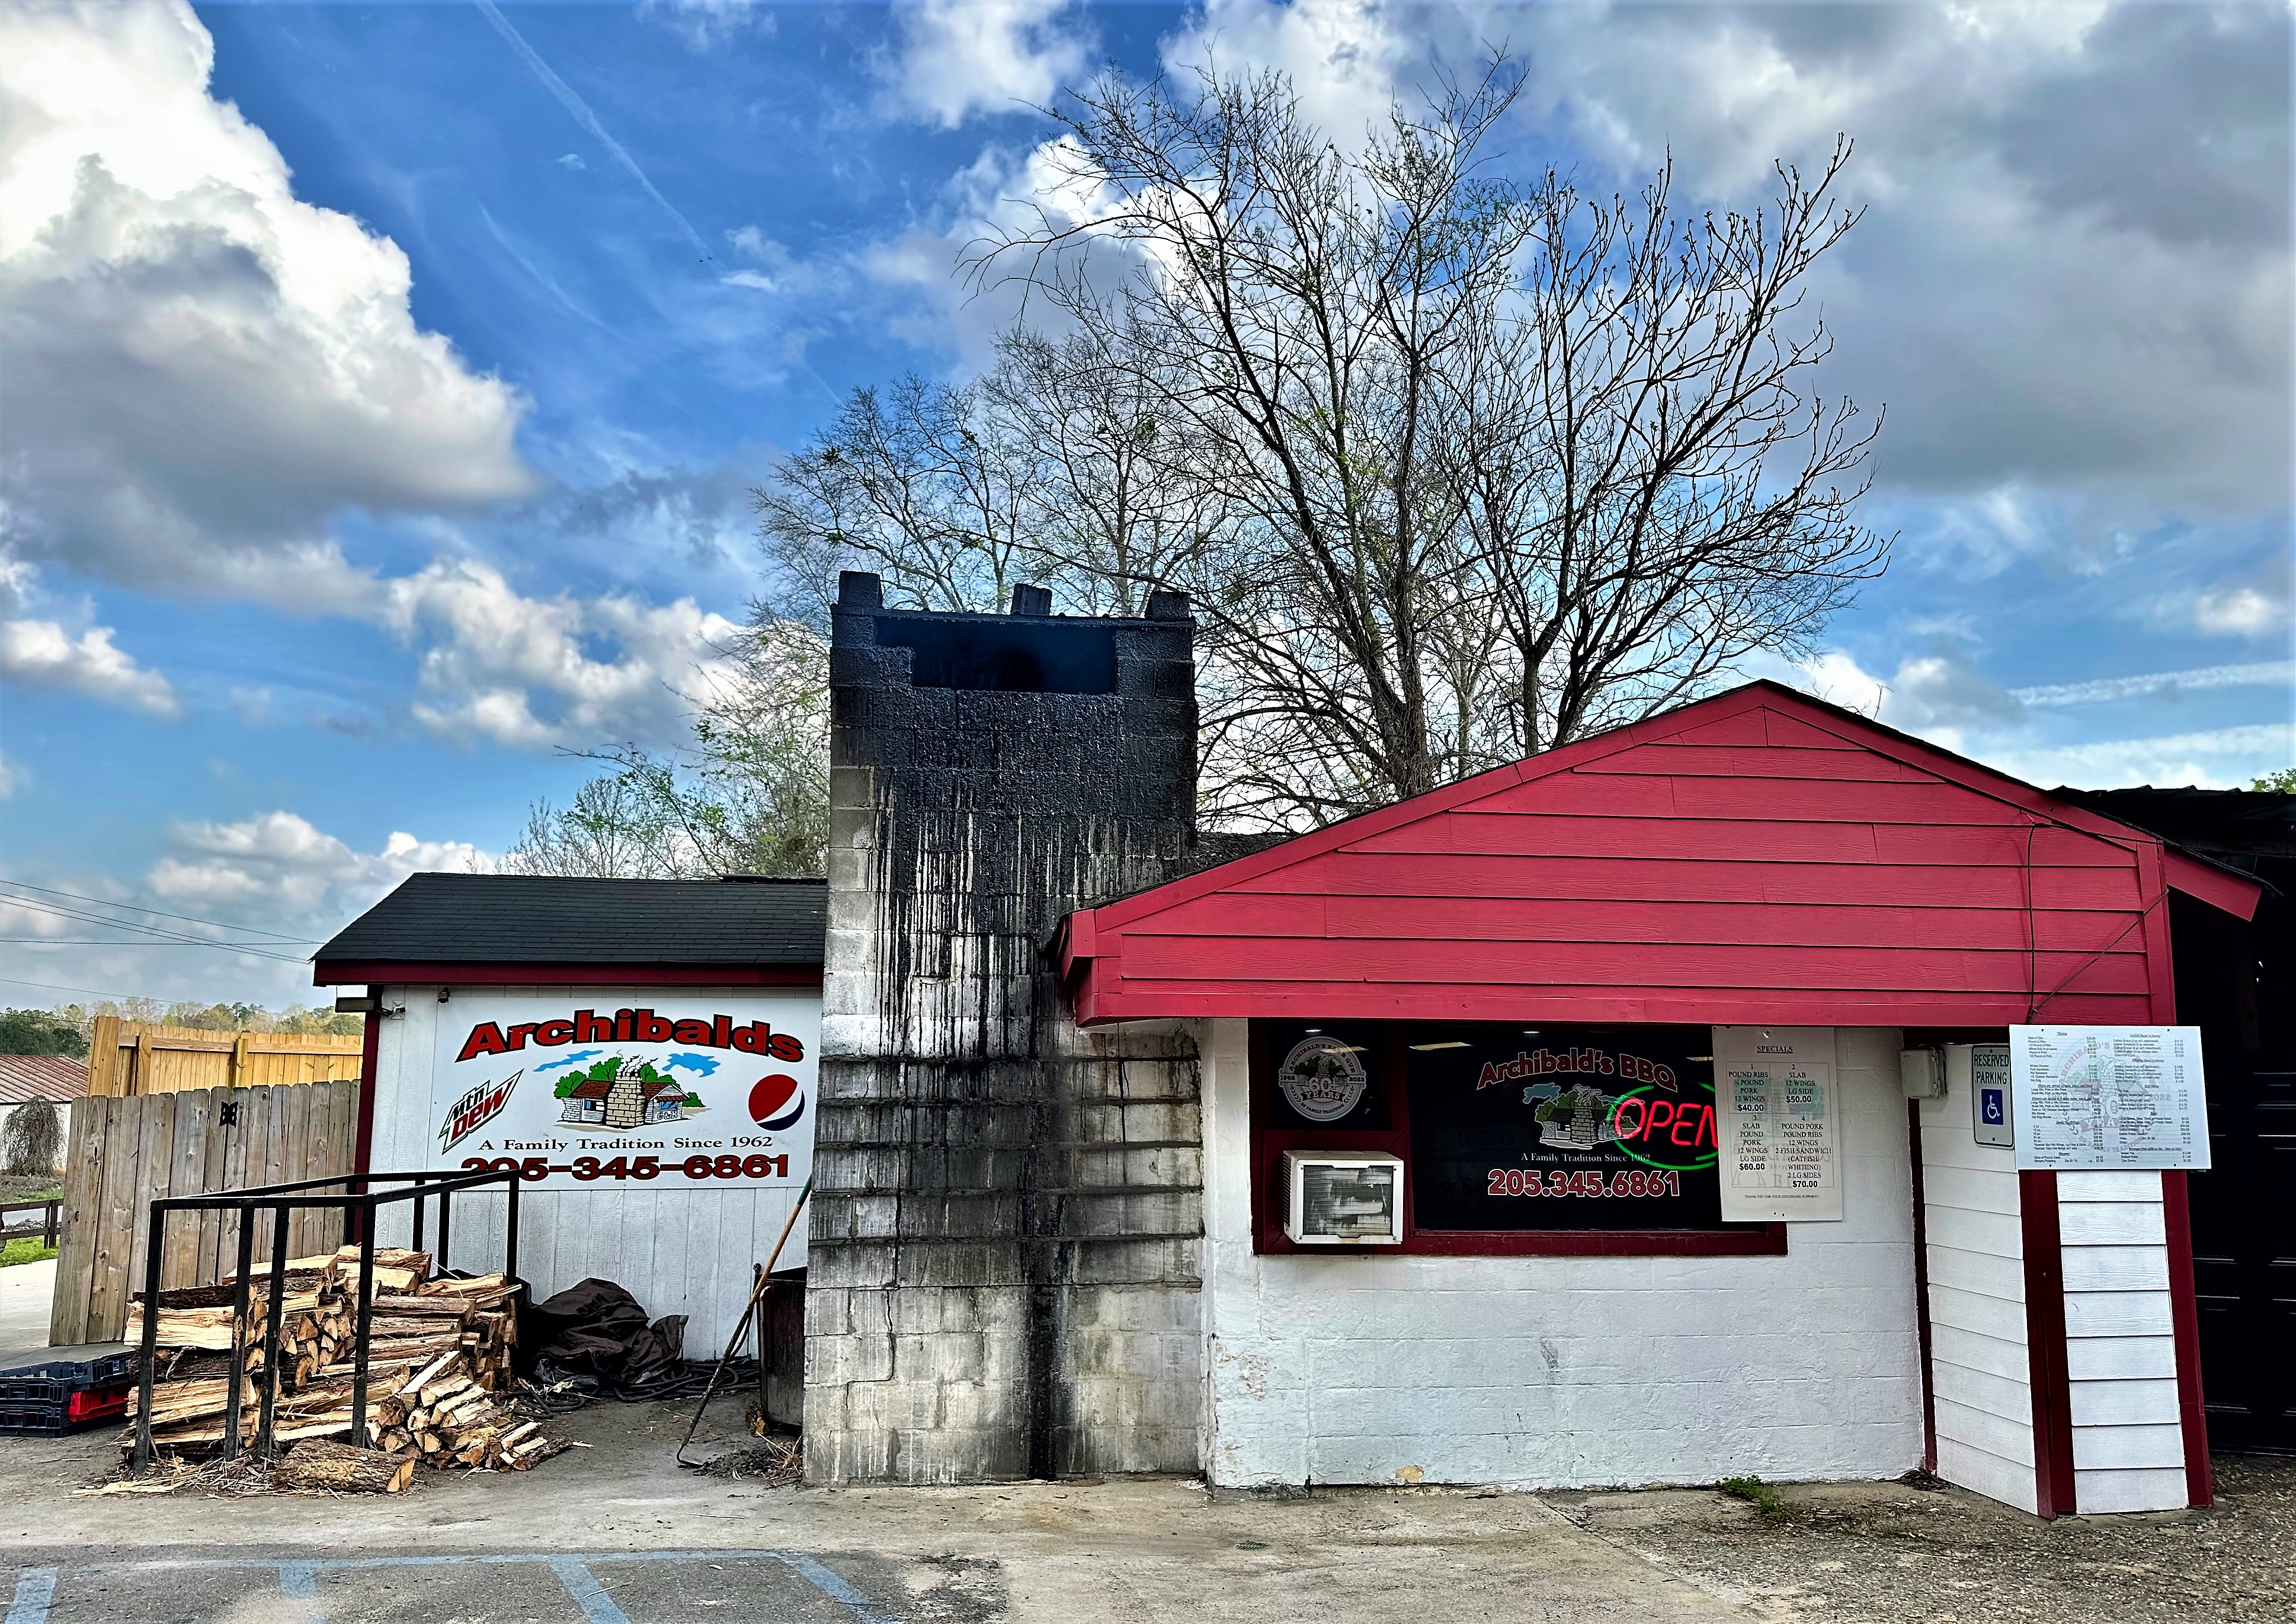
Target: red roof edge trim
x=339, y=972
x=2220, y=888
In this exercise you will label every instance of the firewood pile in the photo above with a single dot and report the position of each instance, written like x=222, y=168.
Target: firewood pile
x=439, y=1382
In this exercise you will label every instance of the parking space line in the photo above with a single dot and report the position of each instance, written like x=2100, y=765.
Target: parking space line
x=830, y=1586
x=298, y=1581
x=588, y=1594
x=36, y=1587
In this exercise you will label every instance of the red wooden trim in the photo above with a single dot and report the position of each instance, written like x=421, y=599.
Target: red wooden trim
x=1100, y=1000
x=2235, y=894
x=2045, y=1343
x=449, y=973
x=370, y=1050
x=2184, y=1316
x=2159, y=954
x=1922, y=1285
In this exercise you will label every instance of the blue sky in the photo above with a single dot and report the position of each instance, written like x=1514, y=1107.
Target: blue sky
x=384, y=383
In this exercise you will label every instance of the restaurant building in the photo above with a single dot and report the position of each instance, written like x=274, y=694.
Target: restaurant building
x=1067, y=1139
x=1640, y=1112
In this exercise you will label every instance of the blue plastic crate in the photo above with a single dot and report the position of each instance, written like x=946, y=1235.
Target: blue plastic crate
x=28, y=1420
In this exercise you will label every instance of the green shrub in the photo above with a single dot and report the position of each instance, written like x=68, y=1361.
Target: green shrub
x=1758, y=1493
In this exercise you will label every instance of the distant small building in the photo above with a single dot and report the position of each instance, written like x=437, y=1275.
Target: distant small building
x=57, y=1078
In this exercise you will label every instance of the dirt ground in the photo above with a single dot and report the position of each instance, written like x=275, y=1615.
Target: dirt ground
x=1896, y=1555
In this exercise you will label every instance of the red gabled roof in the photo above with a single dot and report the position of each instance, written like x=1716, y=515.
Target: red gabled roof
x=1759, y=856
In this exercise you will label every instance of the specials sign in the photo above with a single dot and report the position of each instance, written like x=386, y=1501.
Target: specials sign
x=670, y=1093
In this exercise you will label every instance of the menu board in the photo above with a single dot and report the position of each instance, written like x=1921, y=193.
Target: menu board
x=2108, y=1096
x=1562, y=1128
x=1778, y=1114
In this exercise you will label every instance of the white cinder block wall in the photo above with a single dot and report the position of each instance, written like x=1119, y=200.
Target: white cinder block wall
x=1553, y=1372
x=677, y=1251
x=1978, y=1360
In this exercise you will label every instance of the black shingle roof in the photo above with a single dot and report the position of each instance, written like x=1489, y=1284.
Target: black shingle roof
x=444, y=918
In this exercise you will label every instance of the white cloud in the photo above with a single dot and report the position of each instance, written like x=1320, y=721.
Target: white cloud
x=956, y=58
x=2242, y=610
x=530, y=673
x=2270, y=673
x=12, y=777
x=2075, y=272
x=203, y=368
x=704, y=25
x=2222, y=758
x=41, y=655
x=272, y=882
x=278, y=863
x=2073, y=286
x=1347, y=58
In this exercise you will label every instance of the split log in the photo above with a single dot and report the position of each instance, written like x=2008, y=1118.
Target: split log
x=339, y=1469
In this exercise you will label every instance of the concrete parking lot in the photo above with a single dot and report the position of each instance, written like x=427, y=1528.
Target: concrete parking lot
x=618, y=1532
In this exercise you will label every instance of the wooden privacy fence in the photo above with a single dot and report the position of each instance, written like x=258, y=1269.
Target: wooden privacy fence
x=130, y=1057
x=128, y=1152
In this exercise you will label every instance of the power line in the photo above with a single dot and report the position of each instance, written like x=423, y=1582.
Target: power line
x=159, y=935
x=134, y=908
x=90, y=941
x=92, y=992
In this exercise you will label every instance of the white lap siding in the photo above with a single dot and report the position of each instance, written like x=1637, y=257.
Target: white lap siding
x=1554, y=1372
x=2121, y=1349
x=1980, y=1363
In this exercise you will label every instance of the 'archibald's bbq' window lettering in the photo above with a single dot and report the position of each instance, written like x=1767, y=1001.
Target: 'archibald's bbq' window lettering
x=633, y=1026
x=1563, y=1127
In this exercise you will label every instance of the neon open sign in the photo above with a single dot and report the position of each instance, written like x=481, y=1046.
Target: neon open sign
x=1674, y=1134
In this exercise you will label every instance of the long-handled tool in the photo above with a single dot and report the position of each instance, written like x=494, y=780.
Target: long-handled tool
x=757, y=1294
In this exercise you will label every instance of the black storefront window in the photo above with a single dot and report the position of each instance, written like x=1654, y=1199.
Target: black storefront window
x=1563, y=1127
x=1516, y=1141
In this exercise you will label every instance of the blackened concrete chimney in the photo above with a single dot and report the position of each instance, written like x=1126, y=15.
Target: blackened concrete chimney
x=1008, y=1213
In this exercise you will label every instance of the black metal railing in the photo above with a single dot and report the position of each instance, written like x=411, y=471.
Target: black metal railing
x=359, y=1208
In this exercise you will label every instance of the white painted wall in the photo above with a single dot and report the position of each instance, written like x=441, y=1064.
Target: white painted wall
x=678, y=1251
x=1554, y=1372
x=1981, y=1365
x=2120, y=1348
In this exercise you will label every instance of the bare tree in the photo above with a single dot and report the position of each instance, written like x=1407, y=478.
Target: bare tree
x=1455, y=468
x=750, y=795
x=32, y=1142
x=1502, y=464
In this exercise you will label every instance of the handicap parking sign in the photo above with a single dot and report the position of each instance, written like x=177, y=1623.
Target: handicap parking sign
x=1989, y=1071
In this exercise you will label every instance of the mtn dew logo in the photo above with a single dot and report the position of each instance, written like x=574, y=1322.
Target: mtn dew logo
x=476, y=1109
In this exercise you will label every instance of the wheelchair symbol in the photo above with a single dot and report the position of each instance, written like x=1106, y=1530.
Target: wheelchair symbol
x=1989, y=1105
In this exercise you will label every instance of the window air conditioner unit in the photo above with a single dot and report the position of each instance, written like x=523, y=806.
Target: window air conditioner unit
x=1342, y=1198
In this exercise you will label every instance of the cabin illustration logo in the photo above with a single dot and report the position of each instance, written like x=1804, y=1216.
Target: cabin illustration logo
x=1576, y=1117
x=476, y=1109
x=616, y=1095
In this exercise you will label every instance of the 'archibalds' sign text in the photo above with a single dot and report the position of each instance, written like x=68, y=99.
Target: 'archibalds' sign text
x=633, y=1026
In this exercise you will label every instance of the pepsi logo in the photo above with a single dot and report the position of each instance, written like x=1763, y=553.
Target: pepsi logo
x=775, y=1101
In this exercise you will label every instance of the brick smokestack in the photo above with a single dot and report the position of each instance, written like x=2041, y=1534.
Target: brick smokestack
x=1007, y=1216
